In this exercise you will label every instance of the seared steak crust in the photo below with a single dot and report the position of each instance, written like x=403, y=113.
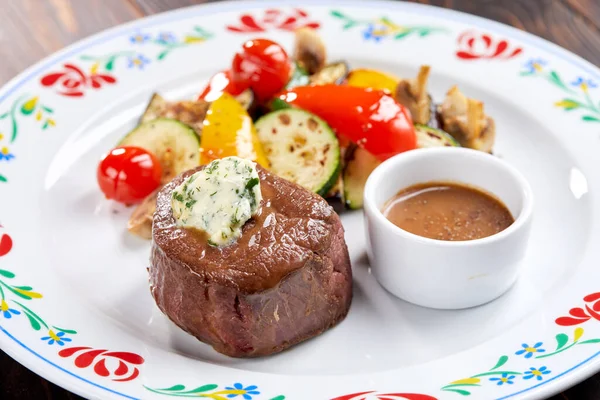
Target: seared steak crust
x=287, y=279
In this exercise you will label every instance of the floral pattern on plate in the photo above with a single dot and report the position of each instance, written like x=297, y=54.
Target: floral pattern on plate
x=274, y=18
x=381, y=28
x=577, y=90
x=473, y=45
x=25, y=106
x=529, y=361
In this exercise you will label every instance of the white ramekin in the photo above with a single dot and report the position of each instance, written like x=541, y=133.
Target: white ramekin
x=444, y=274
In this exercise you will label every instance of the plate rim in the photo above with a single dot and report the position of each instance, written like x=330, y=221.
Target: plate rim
x=553, y=385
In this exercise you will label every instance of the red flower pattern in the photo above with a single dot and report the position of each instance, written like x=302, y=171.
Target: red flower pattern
x=6, y=244
x=72, y=81
x=124, y=372
x=274, y=19
x=385, y=396
x=580, y=315
x=475, y=45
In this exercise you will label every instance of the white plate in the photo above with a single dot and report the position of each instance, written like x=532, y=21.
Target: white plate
x=88, y=275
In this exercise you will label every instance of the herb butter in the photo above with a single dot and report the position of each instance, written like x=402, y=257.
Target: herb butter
x=219, y=199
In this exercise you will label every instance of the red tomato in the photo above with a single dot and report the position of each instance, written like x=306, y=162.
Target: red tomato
x=263, y=65
x=221, y=83
x=128, y=174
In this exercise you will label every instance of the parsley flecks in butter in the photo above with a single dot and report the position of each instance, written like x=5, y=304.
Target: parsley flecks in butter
x=218, y=199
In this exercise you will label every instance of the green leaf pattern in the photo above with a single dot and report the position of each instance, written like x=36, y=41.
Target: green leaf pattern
x=563, y=343
x=383, y=27
x=578, y=95
x=212, y=391
x=24, y=107
x=132, y=58
x=22, y=292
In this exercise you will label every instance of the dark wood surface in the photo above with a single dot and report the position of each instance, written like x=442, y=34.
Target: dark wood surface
x=33, y=29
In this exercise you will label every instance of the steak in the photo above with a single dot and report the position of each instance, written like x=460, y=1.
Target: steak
x=287, y=279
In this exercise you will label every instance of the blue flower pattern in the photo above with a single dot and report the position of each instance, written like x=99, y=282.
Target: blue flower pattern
x=6, y=155
x=529, y=350
x=59, y=338
x=537, y=373
x=581, y=81
x=373, y=32
x=10, y=312
x=535, y=65
x=250, y=391
x=139, y=37
x=138, y=61
x=504, y=378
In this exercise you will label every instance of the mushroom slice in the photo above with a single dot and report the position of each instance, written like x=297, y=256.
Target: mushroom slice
x=191, y=113
x=464, y=118
x=309, y=50
x=412, y=94
x=140, y=222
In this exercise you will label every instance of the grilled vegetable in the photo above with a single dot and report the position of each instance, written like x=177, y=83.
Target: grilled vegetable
x=299, y=77
x=412, y=94
x=431, y=137
x=140, y=222
x=358, y=166
x=246, y=99
x=175, y=144
x=221, y=83
x=262, y=66
x=309, y=50
x=191, y=113
x=228, y=131
x=334, y=73
x=128, y=174
x=359, y=163
x=301, y=147
x=465, y=120
x=279, y=104
x=370, y=78
x=369, y=118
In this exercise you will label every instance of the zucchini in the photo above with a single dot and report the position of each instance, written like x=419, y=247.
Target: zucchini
x=175, y=144
x=299, y=77
x=191, y=113
x=334, y=73
x=431, y=137
x=359, y=165
x=300, y=147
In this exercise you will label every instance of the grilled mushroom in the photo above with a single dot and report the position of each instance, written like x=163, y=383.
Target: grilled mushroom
x=412, y=94
x=466, y=121
x=309, y=50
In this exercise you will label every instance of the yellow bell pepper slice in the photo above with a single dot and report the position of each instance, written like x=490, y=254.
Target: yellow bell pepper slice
x=228, y=131
x=370, y=78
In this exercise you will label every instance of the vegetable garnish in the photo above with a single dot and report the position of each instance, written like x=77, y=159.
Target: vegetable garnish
x=370, y=118
x=128, y=174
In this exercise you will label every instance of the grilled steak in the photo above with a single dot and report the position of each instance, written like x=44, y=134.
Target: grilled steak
x=287, y=279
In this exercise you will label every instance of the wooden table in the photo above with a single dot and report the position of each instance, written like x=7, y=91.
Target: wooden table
x=32, y=29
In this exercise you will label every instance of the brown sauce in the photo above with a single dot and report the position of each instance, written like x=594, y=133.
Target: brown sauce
x=447, y=211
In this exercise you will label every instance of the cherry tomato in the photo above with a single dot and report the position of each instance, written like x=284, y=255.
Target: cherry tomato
x=370, y=118
x=263, y=65
x=221, y=83
x=128, y=174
